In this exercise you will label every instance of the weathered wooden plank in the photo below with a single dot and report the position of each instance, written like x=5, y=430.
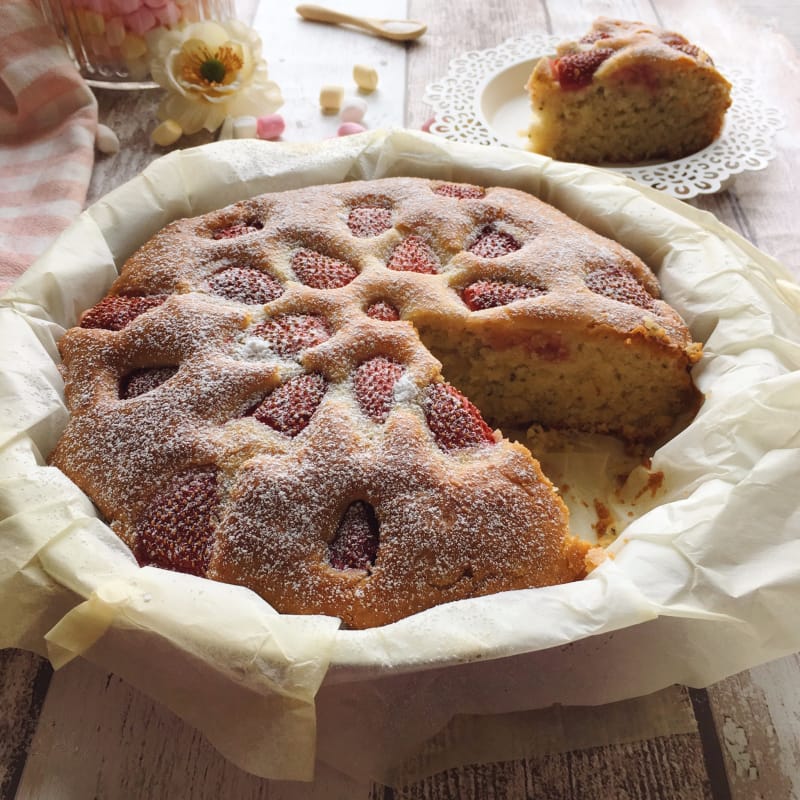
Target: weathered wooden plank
x=99, y=737
x=303, y=56
x=132, y=116
x=760, y=205
x=710, y=742
x=472, y=739
x=762, y=758
x=664, y=768
x=778, y=683
x=24, y=678
x=454, y=28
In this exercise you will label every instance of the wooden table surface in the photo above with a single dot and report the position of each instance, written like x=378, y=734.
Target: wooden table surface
x=81, y=733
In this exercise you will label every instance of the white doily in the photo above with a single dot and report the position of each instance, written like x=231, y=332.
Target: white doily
x=483, y=95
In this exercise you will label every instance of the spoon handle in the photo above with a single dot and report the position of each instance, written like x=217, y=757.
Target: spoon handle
x=321, y=14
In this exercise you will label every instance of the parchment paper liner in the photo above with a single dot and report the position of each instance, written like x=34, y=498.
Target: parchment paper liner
x=704, y=584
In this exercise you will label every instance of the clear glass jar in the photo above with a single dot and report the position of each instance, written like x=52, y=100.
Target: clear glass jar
x=110, y=41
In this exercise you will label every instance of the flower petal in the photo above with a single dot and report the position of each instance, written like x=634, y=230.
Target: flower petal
x=215, y=117
x=256, y=102
x=190, y=116
x=213, y=34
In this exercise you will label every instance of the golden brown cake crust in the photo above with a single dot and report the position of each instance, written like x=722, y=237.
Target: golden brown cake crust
x=626, y=92
x=252, y=401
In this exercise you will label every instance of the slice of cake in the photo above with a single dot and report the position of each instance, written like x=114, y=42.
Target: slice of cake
x=626, y=92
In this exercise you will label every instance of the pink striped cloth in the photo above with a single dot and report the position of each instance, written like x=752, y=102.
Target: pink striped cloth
x=48, y=120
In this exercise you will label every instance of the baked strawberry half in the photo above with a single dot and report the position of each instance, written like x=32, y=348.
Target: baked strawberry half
x=383, y=311
x=245, y=285
x=141, y=381
x=176, y=529
x=290, y=334
x=114, y=312
x=291, y=406
x=373, y=384
x=576, y=70
x=460, y=191
x=355, y=545
x=238, y=229
x=414, y=254
x=492, y=243
x=491, y=294
x=321, y=272
x=620, y=285
x=454, y=421
x=366, y=221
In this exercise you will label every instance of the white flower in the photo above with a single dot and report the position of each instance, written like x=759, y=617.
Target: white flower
x=212, y=70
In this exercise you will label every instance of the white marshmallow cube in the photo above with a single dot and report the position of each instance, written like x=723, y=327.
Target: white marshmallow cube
x=330, y=98
x=245, y=128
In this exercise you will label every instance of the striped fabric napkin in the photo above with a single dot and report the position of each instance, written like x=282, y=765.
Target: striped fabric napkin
x=48, y=120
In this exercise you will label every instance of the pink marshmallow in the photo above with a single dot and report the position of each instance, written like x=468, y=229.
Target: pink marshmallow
x=125, y=6
x=140, y=21
x=168, y=14
x=349, y=128
x=154, y=3
x=270, y=126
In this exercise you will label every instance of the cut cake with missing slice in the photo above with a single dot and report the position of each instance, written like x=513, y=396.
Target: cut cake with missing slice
x=259, y=399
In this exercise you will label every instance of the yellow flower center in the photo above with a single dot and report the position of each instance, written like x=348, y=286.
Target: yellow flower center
x=210, y=67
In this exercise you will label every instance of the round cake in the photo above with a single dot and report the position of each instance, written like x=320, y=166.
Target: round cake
x=626, y=92
x=297, y=393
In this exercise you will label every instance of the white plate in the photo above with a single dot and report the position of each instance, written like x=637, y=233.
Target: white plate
x=483, y=100
x=505, y=106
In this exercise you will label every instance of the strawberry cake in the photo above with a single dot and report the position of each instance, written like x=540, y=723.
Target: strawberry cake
x=284, y=394
x=626, y=92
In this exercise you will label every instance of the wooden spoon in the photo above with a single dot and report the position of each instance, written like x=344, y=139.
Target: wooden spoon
x=399, y=30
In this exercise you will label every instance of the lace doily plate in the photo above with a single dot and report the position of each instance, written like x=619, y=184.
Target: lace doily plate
x=483, y=100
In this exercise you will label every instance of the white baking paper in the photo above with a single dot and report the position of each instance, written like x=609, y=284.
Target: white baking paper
x=703, y=581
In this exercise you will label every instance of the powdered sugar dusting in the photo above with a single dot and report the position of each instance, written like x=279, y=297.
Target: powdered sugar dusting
x=383, y=311
x=254, y=348
x=405, y=390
